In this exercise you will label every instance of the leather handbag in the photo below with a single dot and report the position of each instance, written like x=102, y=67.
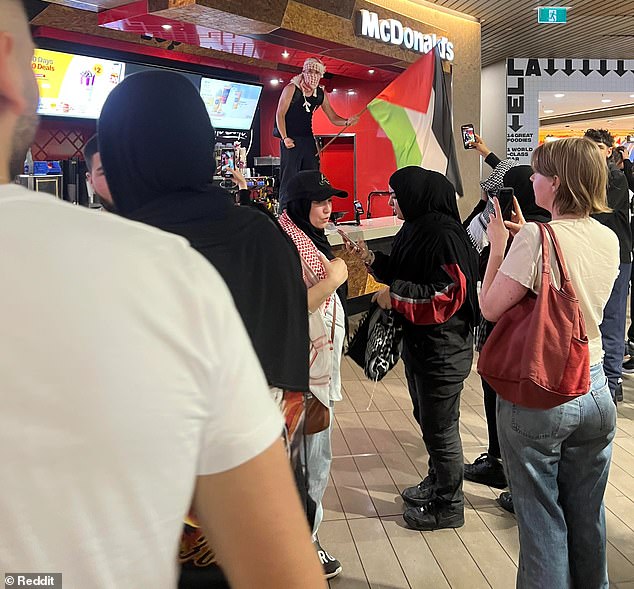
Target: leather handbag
x=537, y=354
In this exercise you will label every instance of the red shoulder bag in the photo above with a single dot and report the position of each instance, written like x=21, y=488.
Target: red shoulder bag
x=537, y=355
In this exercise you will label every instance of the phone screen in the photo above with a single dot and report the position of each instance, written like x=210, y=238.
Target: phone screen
x=227, y=162
x=505, y=197
x=468, y=135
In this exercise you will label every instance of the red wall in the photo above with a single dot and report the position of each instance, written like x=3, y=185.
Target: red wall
x=375, y=157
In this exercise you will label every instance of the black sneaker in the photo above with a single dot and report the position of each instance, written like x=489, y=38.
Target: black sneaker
x=421, y=493
x=505, y=501
x=486, y=470
x=434, y=516
x=628, y=366
x=332, y=567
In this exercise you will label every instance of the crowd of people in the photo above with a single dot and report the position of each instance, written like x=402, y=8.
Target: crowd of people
x=171, y=366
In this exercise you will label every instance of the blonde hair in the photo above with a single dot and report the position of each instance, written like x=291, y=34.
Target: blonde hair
x=582, y=172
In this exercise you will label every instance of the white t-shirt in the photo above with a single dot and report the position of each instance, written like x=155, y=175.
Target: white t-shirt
x=125, y=371
x=591, y=254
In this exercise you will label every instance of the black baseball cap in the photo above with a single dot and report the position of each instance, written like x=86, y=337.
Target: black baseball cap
x=311, y=185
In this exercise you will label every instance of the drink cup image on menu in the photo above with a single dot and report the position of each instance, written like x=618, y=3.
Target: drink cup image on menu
x=74, y=85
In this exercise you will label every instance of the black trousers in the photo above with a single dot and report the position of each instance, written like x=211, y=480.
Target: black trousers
x=490, y=402
x=301, y=157
x=437, y=411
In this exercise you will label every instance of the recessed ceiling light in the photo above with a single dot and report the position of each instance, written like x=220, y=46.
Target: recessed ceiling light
x=560, y=95
x=631, y=95
x=274, y=82
x=370, y=72
x=606, y=100
x=351, y=92
x=285, y=54
x=166, y=27
x=548, y=111
x=539, y=100
x=334, y=89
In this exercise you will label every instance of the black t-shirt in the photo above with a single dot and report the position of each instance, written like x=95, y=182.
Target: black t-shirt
x=618, y=220
x=299, y=117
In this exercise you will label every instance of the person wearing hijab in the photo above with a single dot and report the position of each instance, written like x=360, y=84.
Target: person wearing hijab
x=169, y=186
x=487, y=469
x=431, y=275
x=294, y=123
x=304, y=220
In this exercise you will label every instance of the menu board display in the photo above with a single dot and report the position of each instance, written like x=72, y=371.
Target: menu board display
x=74, y=85
x=231, y=105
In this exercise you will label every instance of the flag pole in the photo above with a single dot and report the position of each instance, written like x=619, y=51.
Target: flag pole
x=337, y=135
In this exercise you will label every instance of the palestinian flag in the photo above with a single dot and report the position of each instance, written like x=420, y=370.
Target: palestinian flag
x=415, y=114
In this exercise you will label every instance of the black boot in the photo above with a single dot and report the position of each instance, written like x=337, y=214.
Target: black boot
x=434, y=515
x=421, y=493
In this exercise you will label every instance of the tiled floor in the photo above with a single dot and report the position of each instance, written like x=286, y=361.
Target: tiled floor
x=378, y=450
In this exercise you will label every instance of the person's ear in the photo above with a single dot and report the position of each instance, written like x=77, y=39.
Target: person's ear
x=11, y=92
x=556, y=184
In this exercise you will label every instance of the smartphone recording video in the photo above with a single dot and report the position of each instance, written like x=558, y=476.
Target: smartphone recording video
x=505, y=198
x=227, y=162
x=468, y=135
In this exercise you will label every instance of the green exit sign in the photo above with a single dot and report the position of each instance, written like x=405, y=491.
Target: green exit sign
x=552, y=14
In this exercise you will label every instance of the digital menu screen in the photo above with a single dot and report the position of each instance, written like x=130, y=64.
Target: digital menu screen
x=74, y=85
x=231, y=105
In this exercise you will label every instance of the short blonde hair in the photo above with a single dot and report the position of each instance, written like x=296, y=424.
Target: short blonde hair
x=582, y=172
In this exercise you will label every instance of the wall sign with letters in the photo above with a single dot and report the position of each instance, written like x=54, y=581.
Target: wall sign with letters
x=526, y=78
x=392, y=32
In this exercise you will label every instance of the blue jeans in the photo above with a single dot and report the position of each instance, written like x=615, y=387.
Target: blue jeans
x=318, y=460
x=557, y=462
x=613, y=327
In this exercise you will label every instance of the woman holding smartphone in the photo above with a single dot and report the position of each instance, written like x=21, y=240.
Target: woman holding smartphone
x=557, y=460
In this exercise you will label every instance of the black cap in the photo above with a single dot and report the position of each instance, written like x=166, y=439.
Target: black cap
x=311, y=185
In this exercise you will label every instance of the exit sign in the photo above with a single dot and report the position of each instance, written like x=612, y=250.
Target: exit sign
x=552, y=14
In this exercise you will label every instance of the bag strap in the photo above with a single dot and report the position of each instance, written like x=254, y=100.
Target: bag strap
x=566, y=283
x=315, y=279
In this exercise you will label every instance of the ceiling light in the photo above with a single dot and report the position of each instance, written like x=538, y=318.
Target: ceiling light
x=334, y=89
x=548, y=111
x=166, y=27
x=351, y=92
x=605, y=100
x=631, y=95
x=560, y=95
x=370, y=72
x=274, y=82
x=285, y=54
x=539, y=100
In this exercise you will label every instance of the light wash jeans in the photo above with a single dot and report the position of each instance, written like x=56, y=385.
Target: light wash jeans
x=319, y=459
x=557, y=462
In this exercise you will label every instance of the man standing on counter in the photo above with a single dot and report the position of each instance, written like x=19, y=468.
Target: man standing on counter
x=294, y=122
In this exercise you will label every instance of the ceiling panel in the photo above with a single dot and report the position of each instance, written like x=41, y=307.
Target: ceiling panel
x=509, y=29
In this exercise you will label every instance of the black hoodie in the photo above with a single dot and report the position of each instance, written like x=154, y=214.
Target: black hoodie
x=156, y=143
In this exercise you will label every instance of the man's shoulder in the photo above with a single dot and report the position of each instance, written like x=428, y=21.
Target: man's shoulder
x=105, y=232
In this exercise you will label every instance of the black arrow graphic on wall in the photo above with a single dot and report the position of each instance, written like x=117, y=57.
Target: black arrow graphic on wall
x=568, y=69
x=585, y=69
x=551, y=69
x=603, y=67
x=515, y=123
x=620, y=67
